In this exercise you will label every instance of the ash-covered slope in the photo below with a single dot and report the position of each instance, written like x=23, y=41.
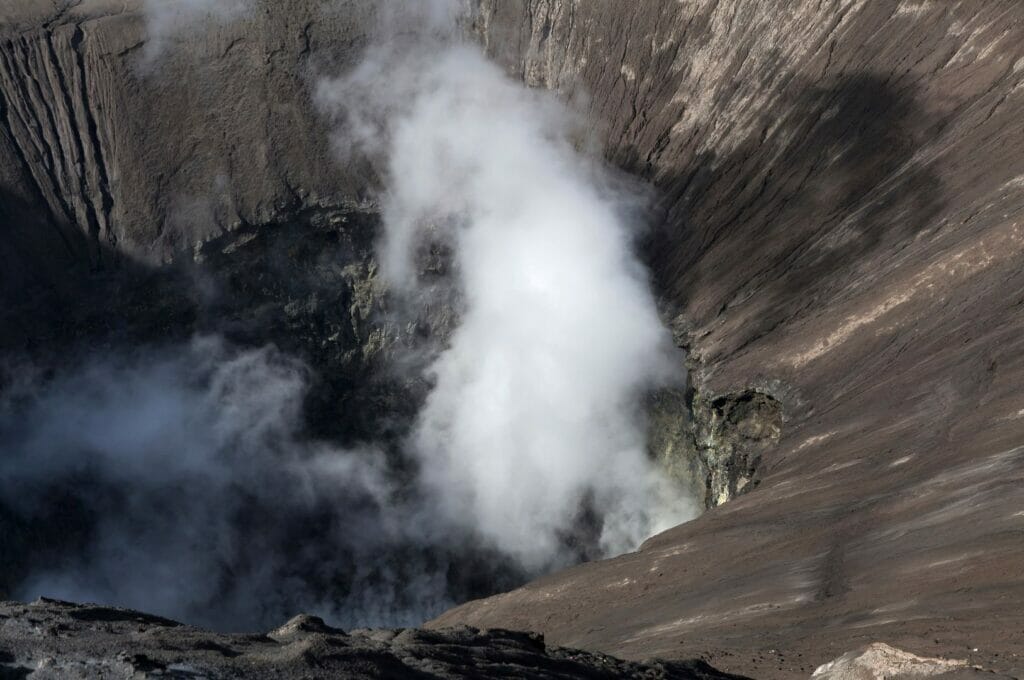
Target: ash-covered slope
x=51, y=639
x=842, y=189
x=842, y=228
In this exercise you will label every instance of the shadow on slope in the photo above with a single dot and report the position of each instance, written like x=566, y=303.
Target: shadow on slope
x=831, y=179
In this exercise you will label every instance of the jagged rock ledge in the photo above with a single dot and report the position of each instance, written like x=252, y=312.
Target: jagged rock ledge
x=53, y=639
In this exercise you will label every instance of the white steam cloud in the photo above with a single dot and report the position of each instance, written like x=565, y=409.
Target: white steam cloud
x=536, y=406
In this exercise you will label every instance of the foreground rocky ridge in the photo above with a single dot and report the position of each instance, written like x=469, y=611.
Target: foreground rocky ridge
x=51, y=639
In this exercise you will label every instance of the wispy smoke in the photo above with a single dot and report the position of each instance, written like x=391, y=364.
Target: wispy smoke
x=536, y=408
x=166, y=20
x=186, y=473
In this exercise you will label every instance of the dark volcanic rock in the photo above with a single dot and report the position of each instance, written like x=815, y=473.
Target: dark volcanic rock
x=51, y=639
x=714, y=445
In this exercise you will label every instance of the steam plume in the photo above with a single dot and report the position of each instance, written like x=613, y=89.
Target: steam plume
x=535, y=411
x=198, y=495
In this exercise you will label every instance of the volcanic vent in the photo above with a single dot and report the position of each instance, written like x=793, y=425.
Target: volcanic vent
x=372, y=406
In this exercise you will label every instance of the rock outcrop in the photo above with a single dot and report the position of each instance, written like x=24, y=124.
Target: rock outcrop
x=879, y=661
x=51, y=639
x=713, y=445
x=882, y=661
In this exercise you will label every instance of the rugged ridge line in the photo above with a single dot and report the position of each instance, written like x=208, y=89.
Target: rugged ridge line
x=52, y=639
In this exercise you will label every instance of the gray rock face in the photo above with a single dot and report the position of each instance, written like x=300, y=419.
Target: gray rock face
x=713, y=446
x=50, y=639
x=106, y=155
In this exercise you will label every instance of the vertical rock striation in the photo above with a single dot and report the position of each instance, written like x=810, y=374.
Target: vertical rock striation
x=113, y=156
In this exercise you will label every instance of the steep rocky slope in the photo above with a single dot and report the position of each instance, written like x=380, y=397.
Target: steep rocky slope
x=106, y=153
x=838, y=233
x=841, y=228
x=147, y=199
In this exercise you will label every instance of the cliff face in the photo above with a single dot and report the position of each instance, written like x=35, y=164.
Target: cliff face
x=838, y=232
x=114, y=162
x=107, y=153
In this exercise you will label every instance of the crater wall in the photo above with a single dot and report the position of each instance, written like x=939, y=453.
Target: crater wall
x=838, y=227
